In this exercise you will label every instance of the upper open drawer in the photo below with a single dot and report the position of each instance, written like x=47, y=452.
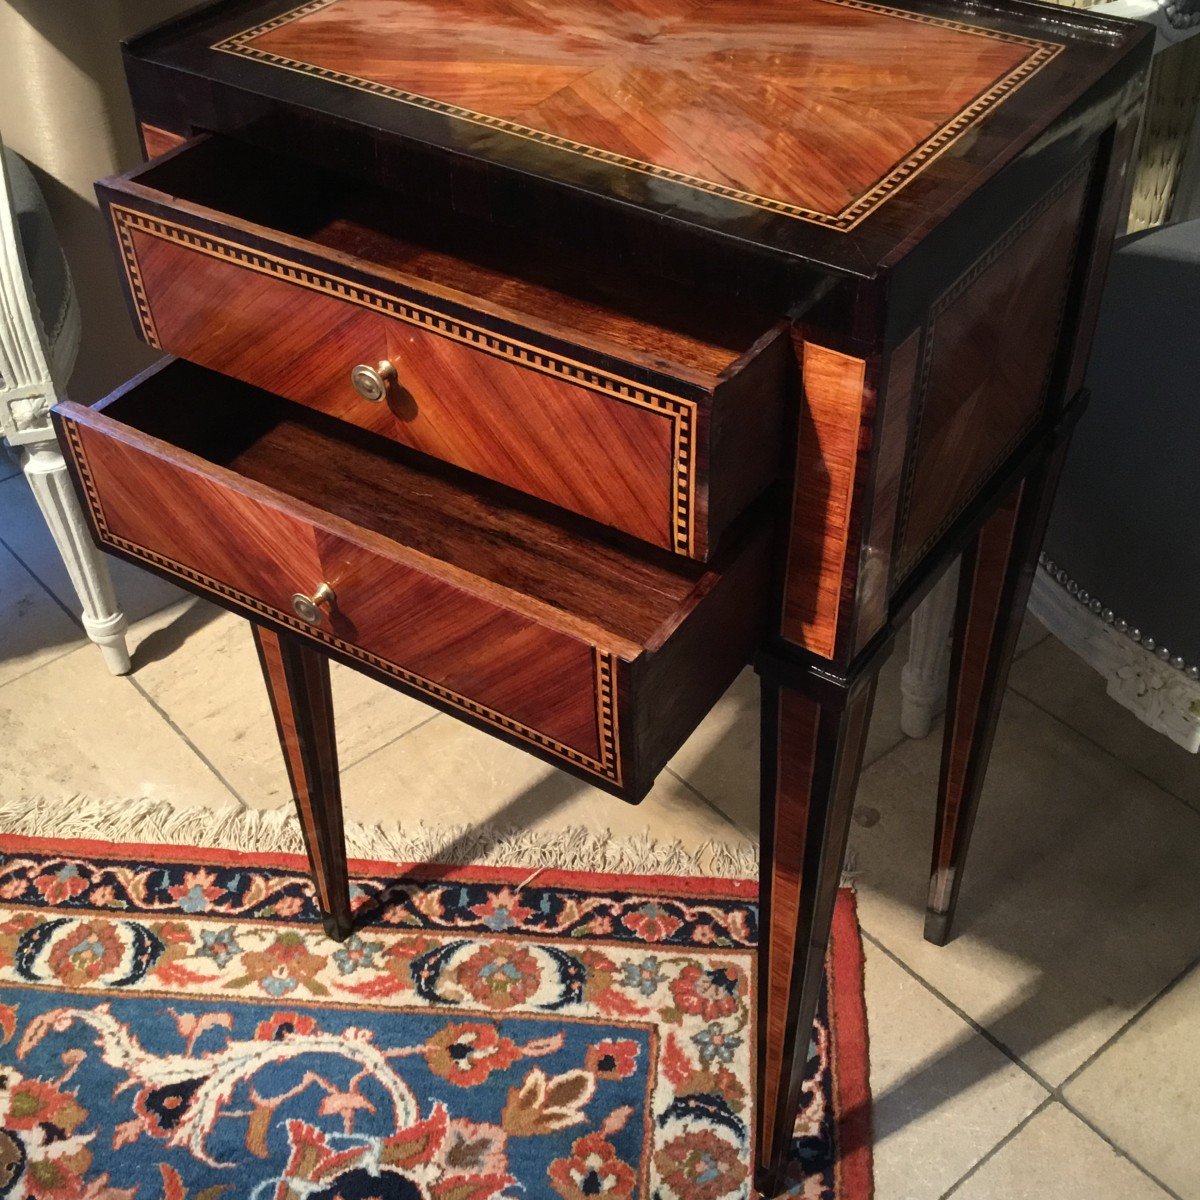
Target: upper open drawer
x=633, y=401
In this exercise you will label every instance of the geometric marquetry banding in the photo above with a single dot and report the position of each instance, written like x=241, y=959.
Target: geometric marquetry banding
x=678, y=410
x=133, y=273
x=607, y=766
x=911, y=159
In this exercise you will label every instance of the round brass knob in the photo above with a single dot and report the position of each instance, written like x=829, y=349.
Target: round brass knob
x=314, y=608
x=374, y=383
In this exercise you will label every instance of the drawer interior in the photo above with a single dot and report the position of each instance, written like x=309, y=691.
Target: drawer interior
x=634, y=593
x=587, y=293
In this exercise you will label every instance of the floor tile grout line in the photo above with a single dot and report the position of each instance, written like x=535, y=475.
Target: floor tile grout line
x=362, y=758
x=691, y=787
x=46, y=663
x=1054, y=1093
x=1033, y=646
x=186, y=740
x=75, y=618
x=83, y=644
x=988, y=1155
x=1116, y=1147
x=866, y=766
x=1104, y=749
x=904, y=738
x=982, y=1030
x=1168, y=987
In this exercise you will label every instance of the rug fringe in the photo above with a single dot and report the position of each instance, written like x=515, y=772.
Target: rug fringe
x=277, y=830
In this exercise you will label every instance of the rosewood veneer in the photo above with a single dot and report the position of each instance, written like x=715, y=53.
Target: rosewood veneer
x=552, y=360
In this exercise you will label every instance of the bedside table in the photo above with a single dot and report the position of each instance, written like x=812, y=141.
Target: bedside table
x=551, y=362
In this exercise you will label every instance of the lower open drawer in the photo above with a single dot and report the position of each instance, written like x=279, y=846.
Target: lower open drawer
x=539, y=628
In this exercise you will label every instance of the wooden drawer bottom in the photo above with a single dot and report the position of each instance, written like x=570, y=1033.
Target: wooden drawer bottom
x=532, y=625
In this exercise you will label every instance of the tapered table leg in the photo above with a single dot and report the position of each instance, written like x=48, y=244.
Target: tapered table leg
x=997, y=574
x=812, y=752
x=297, y=678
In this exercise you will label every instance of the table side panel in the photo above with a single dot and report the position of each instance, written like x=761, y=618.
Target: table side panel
x=988, y=351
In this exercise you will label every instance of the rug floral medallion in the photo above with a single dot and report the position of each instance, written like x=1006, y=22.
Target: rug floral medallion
x=175, y=1025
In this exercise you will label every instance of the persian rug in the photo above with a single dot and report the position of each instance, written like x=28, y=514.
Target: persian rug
x=174, y=1025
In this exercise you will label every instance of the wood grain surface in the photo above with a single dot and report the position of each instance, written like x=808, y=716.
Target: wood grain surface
x=994, y=585
x=816, y=109
x=893, y=426
x=157, y=141
x=297, y=679
x=811, y=756
x=989, y=348
x=840, y=132
x=837, y=403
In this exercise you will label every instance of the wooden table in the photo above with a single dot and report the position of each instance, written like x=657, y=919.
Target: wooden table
x=552, y=361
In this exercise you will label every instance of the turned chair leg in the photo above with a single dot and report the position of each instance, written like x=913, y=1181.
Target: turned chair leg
x=44, y=468
x=811, y=755
x=297, y=678
x=996, y=576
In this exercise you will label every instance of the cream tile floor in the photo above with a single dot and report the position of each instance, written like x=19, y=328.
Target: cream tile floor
x=1050, y=1051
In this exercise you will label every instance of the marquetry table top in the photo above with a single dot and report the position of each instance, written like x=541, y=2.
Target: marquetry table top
x=768, y=119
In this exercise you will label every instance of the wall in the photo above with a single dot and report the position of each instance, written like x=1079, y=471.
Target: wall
x=63, y=109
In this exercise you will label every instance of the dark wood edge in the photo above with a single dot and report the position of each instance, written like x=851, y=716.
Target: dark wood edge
x=808, y=672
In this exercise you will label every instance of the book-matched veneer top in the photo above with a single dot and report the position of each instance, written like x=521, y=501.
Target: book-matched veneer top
x=776, y=120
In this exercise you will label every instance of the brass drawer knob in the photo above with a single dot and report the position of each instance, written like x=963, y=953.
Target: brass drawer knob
x=376, y=383
x=314, y=608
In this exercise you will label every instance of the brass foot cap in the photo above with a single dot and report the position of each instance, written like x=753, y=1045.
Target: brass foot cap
x=937, y=928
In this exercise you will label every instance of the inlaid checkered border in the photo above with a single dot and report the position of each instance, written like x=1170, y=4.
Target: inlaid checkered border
x=1040, y=53
x=607, y=766
x=681, y=412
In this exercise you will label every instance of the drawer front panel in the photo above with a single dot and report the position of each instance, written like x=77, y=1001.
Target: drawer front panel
x=494, y=664
x=598, y=445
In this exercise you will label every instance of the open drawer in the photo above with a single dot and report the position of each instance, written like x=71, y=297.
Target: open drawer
x=597, y=658
x=639, y=403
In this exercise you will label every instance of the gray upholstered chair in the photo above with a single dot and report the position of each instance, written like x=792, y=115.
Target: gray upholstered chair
x=1120, y=582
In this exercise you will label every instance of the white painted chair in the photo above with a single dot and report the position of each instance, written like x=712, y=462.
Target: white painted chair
x=39, y=339
x=1160, y=686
